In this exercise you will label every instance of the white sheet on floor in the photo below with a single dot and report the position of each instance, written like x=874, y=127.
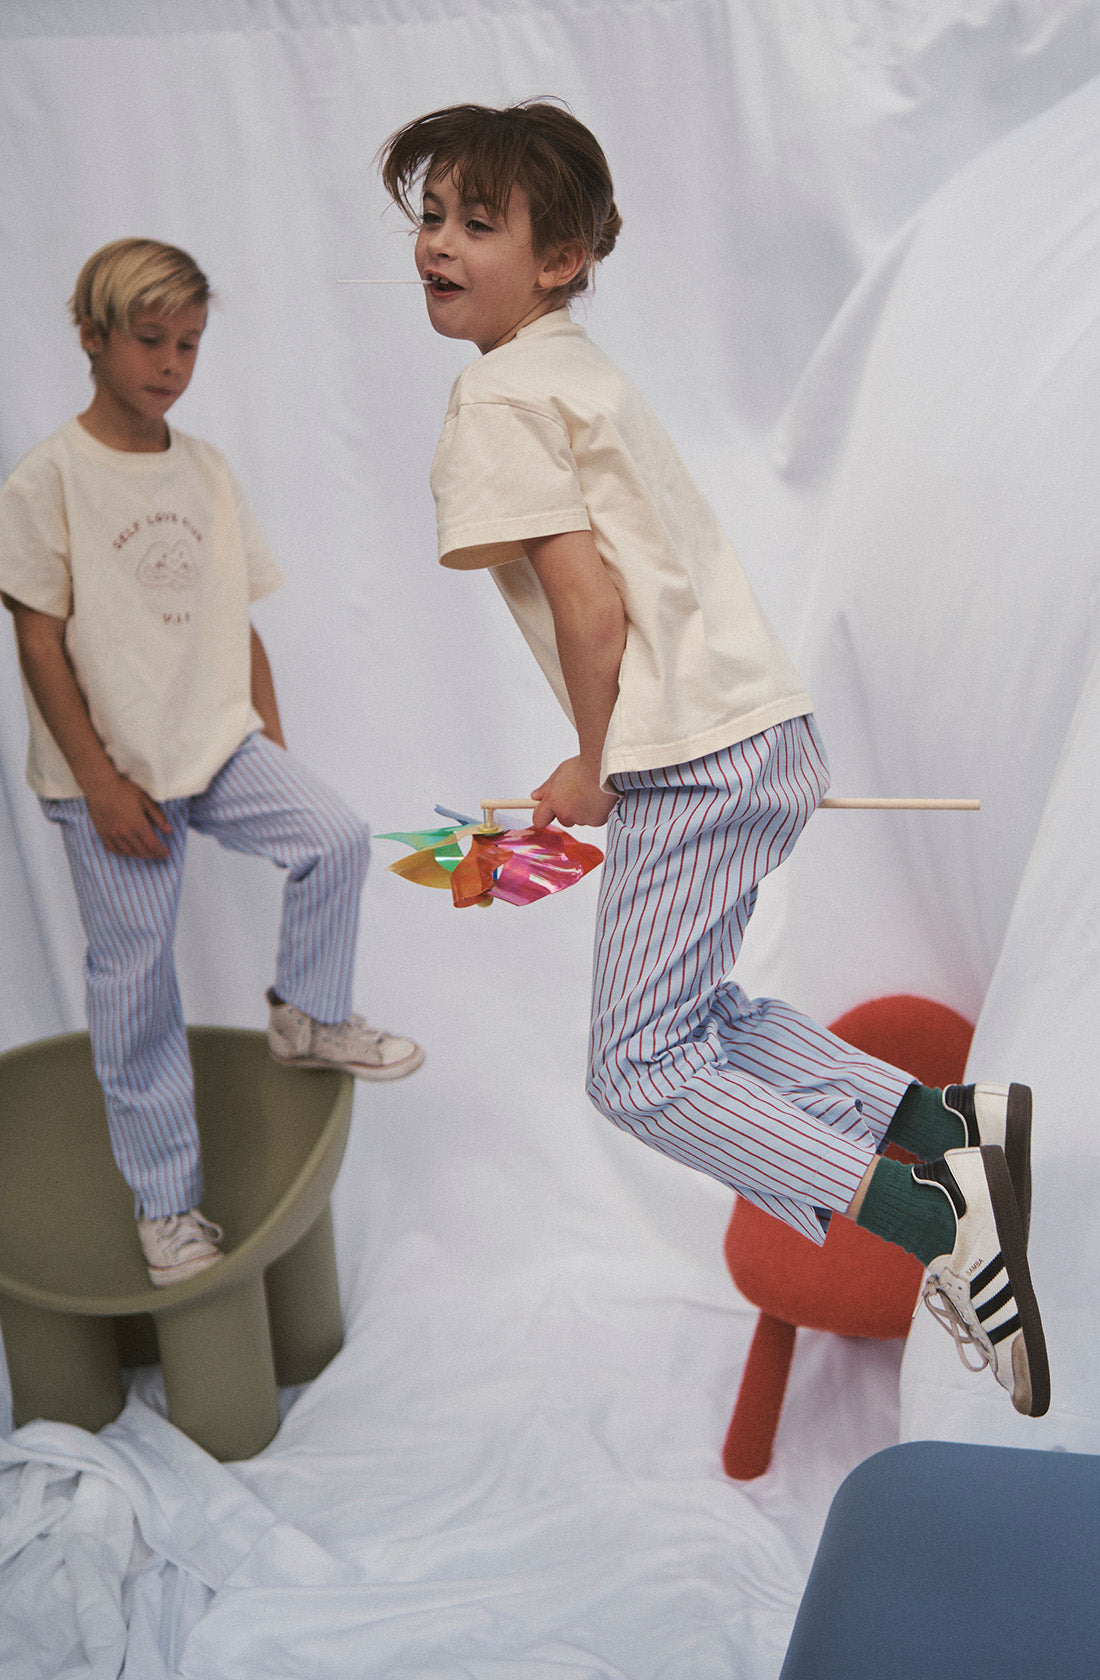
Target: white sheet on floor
x=857, y=278
x=533, y=1526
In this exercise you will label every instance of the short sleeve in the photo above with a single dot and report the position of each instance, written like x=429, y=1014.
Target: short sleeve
x=34, y=540
x=264, y=572
x=502, y=473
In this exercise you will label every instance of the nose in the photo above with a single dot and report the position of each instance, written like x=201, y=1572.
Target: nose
x=435, y=241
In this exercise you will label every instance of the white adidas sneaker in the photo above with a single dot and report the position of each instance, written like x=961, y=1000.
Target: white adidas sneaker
x=999, y=1114
x=982, y=1292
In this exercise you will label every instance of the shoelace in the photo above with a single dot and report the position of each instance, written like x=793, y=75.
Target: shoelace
x=181, y=1230
x=354, y=1028
x=964, y=1335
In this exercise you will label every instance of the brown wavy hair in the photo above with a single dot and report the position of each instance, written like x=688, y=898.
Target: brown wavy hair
x=537, y=146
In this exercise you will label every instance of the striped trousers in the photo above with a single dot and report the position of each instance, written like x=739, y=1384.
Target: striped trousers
x=747, y=1090
x=261, y=801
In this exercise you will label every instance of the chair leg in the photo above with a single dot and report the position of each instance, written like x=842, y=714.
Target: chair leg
x=219, y=1372
x=62, y=1366
x=303, y=1302
x=136, y=1338
x=748, y=1449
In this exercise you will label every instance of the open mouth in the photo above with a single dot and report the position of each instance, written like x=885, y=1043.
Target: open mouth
x=440, y=285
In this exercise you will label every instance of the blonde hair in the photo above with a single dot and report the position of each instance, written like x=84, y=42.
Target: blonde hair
x=134, y=274
x=539, y=147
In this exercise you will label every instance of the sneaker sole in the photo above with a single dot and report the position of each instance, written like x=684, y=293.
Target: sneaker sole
x=395, y=1070
x=1017, y=1148
x=1030, y=1369
x=163, y=1277
x=1015, y=1140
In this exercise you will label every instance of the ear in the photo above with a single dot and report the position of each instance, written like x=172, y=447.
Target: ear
x=562, y=265
x=92, y=341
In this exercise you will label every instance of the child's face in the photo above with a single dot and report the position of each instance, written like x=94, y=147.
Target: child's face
x=141, y=372
x=483, y=280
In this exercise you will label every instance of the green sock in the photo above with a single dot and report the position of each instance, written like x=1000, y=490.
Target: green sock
x=924, y=1125
x=917, y=1217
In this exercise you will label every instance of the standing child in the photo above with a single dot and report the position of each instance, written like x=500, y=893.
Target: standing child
x=696, y=744
x=128, y=559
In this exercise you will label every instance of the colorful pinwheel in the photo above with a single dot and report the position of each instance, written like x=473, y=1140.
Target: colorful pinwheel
x=518, y=865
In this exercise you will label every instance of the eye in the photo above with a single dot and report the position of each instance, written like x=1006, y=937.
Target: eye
x=476, y=225
x=430, y=218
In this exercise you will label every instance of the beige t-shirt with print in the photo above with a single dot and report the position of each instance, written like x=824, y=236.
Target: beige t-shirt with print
x=545, y=435
x=152, y=560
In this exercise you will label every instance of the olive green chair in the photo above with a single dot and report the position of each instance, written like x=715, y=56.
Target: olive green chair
x=76, y=1303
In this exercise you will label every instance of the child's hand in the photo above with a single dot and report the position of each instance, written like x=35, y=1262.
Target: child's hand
x=572, y=795
x=127, y=820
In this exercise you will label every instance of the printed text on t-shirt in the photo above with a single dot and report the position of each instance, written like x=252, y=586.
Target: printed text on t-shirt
x=159, y=518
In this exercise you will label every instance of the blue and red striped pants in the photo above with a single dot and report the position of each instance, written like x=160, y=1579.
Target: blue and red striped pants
x=747, y=1090
x=263, y=802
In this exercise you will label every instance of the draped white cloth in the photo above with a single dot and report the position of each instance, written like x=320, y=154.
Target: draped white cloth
x=858, y=279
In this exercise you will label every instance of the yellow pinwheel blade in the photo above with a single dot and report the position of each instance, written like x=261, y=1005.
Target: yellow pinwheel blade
x=423, y=869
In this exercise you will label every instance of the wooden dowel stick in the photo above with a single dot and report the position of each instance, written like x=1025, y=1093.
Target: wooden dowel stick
x=900, y=805
x=490, y=807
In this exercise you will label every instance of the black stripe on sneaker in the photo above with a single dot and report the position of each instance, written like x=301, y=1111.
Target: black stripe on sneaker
x=995, y=1303
x=1005, y=1329
x=987, y=1274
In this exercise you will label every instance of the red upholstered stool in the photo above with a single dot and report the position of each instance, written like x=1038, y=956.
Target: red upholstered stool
x=855, y=1284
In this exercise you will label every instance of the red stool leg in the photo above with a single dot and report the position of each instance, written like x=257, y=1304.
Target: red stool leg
x=748, y=1449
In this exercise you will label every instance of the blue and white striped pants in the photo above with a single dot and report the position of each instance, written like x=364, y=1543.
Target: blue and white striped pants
x=747, y=1090
x=261, y=801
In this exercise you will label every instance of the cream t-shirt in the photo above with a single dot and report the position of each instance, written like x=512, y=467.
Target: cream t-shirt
x=152, y=560
x=545, y=435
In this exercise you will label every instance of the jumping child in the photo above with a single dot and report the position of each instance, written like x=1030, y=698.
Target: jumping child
x=696, y=744
x=128, y=559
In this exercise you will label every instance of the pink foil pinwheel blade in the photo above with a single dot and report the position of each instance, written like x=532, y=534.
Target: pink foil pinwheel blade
x=540, y=861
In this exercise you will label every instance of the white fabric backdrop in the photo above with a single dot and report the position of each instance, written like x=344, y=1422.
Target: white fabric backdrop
x=858, y=279
x=944, y=432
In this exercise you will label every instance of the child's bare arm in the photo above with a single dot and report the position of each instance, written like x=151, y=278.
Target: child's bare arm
x=263, y=692
x=590, y=628
x=124, y=816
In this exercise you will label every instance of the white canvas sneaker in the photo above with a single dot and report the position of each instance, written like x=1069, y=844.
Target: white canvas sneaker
x=298, y=1041
x=981, y=1292
x=178, y=1246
